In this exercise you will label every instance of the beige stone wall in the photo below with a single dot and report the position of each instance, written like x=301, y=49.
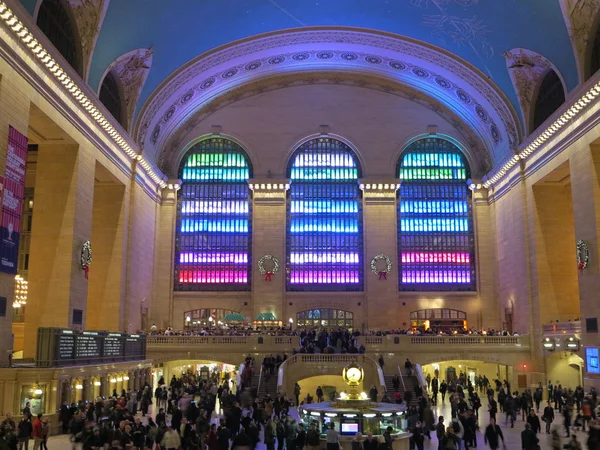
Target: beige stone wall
x=556, y=261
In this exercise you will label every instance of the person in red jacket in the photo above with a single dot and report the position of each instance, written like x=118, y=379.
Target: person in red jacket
x=38, y=432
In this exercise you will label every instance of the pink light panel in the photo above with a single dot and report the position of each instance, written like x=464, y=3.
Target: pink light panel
x=436, y=276
x=193, y=257
x=298, y=277
x=435, y=257
x=213, y=276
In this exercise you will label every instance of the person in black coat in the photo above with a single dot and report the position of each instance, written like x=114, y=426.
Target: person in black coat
x=529, y=440
x=548, y=416
x=493, y=434
x=25, y=429
x=534, y=421
x=223, y=436
x=176, y=419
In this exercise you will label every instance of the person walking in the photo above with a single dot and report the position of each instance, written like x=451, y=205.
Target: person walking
x=548, y=416
x=529, y=440
x=25, y=430
x=493, y=435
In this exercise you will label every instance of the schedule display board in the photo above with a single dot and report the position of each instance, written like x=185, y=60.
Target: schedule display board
x=59, y=347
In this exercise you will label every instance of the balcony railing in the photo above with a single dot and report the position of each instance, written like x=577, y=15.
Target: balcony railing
x=573, y=327
x=404, y=342
x=285, y=344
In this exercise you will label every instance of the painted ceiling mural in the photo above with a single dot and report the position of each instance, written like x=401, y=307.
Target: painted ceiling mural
x=477, y=30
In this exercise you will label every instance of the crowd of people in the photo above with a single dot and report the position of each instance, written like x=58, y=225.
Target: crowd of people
x=311, y=338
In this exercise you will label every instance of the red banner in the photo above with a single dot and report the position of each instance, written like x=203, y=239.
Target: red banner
x=12, y=200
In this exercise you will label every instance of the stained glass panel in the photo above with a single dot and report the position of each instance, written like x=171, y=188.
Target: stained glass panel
x=214, y=219
x=324, y=237
x=435, y=232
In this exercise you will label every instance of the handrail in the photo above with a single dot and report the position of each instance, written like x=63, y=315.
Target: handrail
x=420, y=377
x=401, y=377
x=238, y=379
x=259, y=380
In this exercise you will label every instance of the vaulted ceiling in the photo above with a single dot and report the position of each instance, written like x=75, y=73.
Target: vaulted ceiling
x=478, y=32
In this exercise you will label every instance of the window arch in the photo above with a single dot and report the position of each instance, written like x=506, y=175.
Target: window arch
x=595, y=56
x=324, y=238
x=55, y=22
x=213, y=236
x=549, y=98
x=110, y=96
x=435, y=232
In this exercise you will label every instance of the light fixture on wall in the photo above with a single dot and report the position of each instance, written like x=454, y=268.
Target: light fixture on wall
x=78, y=387
x=21, y=289
x=97, y=383
x=126, y=378
x=113, y=380
x=120, y=379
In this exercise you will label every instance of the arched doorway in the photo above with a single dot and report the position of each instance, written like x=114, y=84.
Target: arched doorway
x=325, y=318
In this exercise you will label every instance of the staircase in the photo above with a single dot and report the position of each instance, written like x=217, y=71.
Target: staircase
x=268, y=386
x=409, y=382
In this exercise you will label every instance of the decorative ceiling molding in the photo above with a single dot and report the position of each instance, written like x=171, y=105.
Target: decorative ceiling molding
x=580, y=17
x=479, y=157
x=526, y=68
x=89, y=15
x=422, y=67
x=132, y=70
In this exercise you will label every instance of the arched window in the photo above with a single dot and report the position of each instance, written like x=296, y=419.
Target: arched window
x=111, y=98
x=324, y=239
x=213, y=238
x=595, y=58
x=550, y=96
x=325, y=317
x=435, y=233
x=54, y=21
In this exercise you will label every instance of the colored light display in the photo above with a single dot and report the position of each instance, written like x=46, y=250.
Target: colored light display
x=324, y=219
x=214, y=218
x=435, y=229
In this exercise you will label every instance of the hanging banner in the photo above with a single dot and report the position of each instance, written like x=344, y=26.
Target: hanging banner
x=12, y=200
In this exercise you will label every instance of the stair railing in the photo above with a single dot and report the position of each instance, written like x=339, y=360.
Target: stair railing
x=259, y=380
x=401, y=378
x=238, y=379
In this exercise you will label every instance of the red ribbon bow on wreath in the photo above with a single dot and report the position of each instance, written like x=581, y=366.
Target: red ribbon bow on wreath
x=86, y=270
x=268, y=276
x=580, y=267
x=383, y=275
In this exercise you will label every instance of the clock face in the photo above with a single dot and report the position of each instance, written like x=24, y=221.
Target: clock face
x=353, y=374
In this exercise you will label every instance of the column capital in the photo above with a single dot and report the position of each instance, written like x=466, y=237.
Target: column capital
x=280, y=185
x=379, y=184
x=269, y=191
x=379, y=189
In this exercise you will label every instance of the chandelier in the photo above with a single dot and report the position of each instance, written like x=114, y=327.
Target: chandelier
x=20, y=291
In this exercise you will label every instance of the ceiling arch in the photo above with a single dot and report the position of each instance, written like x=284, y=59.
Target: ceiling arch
x=175, y=147
x=427, y=72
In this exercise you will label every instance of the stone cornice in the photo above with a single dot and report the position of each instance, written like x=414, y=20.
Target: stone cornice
x=424, y=68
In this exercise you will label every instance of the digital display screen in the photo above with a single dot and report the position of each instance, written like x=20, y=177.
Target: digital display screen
x=591, y=360
x=348, y=428
x=63, y=347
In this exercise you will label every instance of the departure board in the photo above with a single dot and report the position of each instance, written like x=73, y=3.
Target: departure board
x=58, y=347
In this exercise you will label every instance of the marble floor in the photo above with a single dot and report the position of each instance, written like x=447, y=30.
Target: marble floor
x=512, y=435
